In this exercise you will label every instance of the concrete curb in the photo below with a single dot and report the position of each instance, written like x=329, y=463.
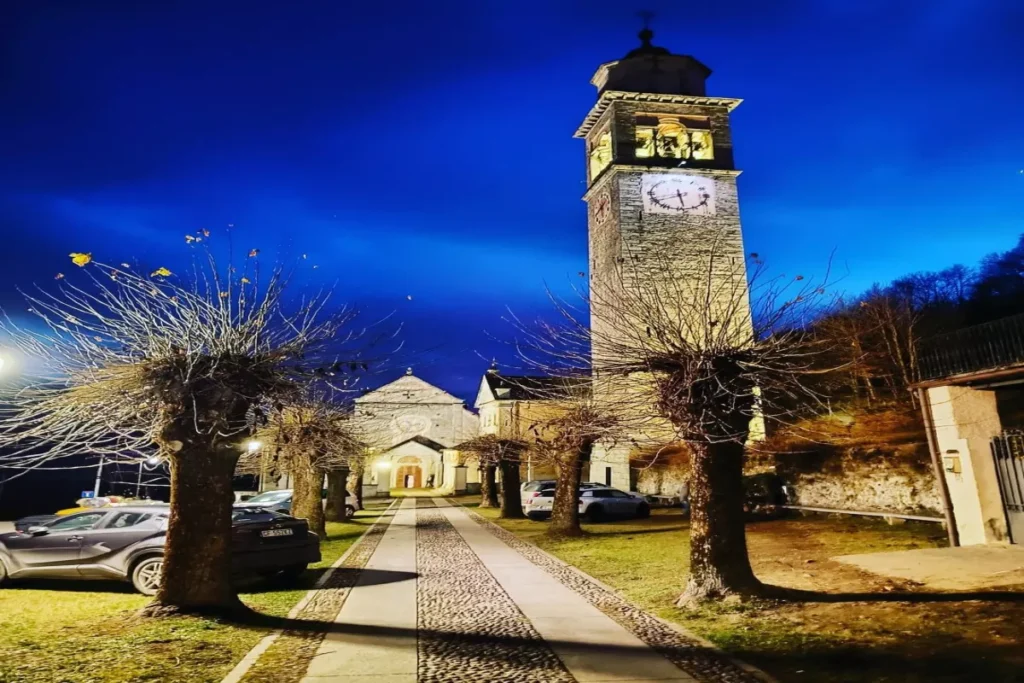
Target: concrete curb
x=740, y=664
x=251, y=657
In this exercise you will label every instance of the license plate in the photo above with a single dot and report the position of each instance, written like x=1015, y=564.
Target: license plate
x=275, y=532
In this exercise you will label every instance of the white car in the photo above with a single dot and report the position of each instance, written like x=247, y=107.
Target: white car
x=281, y=501
x=596, y=504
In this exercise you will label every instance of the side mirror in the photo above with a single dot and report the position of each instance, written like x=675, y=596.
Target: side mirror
x=244, y=498
x=38, y=530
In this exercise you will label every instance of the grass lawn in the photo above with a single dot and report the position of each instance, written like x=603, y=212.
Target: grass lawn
x=845, y=642
x=88, y=632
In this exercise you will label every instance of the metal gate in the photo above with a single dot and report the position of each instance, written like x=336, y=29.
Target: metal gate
x=1008, y=452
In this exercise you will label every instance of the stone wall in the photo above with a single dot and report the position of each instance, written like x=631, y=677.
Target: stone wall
x=898, y=479
x=872, y=480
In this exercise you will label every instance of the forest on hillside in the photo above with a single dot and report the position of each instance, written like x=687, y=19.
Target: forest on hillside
x=875, y=335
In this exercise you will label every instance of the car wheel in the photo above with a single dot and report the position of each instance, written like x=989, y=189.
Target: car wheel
x=643, y=511
x=595, y=513
x=146, y=575
x=293, y=572
x=350, y=512
x=3, y=573
x=535, y=516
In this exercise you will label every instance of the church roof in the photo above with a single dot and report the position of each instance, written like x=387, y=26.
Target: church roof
x=532, y=387
x=423, y=441
x=410, y=389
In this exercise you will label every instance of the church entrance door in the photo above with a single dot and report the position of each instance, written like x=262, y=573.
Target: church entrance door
x=409, y=474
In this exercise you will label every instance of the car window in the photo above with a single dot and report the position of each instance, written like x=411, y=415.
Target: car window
x=600, y=494
x=123, y=520
x=619, y=494
x=254, y=515
x=78, y=522
x=270, y=497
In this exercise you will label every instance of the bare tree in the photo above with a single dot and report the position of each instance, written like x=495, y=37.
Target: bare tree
x=689, y=348
x=310, y=438
x=505, y=455
x=127, y=360
x=566, y=439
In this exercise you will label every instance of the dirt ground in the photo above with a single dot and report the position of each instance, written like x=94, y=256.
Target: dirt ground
x=862, y=628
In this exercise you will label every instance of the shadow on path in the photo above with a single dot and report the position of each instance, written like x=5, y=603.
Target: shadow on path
x=796, y=595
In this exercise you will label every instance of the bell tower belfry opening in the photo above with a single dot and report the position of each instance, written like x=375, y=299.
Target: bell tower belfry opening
x=661, y=185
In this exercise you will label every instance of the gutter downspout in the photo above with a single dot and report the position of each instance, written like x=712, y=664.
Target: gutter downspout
x=940, y=475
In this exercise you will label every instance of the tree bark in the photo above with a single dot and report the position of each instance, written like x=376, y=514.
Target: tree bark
x=196, y=575
x=359, y=472
x=488, y=487
x=719, y=565
x=337, y=494
x=511, y=496
x=307, y=493
x=565, y=510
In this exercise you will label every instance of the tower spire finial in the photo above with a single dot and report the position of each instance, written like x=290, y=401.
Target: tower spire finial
x=646, y=34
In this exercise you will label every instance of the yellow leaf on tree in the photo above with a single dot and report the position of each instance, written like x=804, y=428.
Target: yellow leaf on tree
x=80, y=259
x=161, y=271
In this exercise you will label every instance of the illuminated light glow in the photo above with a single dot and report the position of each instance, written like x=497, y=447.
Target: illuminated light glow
x=600, y=153
x=669, y=137
x=253, y=446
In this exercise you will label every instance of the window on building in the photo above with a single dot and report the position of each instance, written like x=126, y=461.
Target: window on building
x=673, y=137
x=600, y=153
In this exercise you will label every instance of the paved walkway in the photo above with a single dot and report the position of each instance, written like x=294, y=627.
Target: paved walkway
x=471, y=603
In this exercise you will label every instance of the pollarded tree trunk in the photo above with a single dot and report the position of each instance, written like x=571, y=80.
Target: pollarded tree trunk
x=565, y=510
x=511, y=498
x=359, y=484
x=488, y=487
x=307, y=493
x=196, y=573
x=719, y=564
x=337, y=494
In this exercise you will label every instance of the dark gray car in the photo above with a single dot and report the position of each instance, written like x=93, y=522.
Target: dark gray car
x=127, y=543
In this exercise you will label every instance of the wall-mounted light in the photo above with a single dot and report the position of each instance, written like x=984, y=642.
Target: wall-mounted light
x=253, y=446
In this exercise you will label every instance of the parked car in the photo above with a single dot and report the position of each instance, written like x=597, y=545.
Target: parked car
x=82, y=505
x=281, y=501
x=127, y=543
x=596, y=504
x=538, y=484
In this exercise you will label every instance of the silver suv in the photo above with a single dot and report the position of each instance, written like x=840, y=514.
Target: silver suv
x=596, y=503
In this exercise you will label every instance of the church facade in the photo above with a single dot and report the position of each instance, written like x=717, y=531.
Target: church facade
x=413, y=428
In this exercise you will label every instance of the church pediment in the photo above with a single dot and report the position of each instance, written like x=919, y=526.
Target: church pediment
x=409, y=389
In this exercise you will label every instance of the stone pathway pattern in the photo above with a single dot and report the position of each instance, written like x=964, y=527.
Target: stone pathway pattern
x=447, y=597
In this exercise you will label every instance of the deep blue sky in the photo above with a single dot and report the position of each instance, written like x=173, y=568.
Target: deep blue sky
x=426, y=149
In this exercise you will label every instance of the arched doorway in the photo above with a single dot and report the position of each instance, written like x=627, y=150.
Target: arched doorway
x=409, y=473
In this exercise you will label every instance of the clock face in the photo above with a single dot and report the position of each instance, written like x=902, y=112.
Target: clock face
x=602, y=207
x=673, y=193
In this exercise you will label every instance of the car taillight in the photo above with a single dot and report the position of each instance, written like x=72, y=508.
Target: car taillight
x=535, y=494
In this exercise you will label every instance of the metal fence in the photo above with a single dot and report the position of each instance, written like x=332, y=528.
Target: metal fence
x=1008, y=453
x=981, y=347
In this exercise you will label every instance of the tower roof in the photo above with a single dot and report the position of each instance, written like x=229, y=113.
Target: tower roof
x=653, y=69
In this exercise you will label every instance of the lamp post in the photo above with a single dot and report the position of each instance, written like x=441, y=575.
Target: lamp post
x=151, y=463
x=99, y=478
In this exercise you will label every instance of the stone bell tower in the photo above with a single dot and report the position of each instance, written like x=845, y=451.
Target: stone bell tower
x=661, y=185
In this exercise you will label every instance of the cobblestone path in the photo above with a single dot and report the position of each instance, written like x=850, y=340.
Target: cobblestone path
x=447, y=597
